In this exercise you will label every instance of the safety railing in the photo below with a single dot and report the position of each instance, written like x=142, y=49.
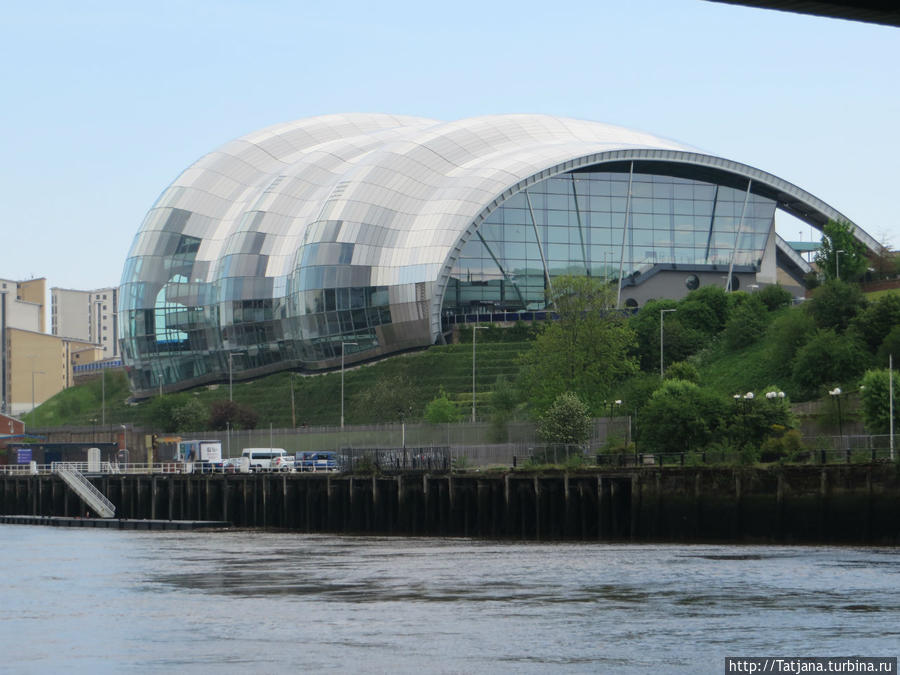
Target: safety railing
x=84, y=489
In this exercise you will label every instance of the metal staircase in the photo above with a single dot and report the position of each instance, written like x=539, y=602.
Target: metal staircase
x=83, y=488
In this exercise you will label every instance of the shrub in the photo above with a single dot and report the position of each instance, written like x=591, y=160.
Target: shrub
x=746, y=324
x=787, y=446
x=828, y=358
x=441, y=410
x=566, y=421
x=775, y=297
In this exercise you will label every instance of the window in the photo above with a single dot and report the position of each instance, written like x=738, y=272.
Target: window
x=692, y=282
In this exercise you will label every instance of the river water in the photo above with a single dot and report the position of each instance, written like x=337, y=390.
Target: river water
x=85, y=600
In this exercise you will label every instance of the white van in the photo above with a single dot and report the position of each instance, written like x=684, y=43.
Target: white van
x=268, y=459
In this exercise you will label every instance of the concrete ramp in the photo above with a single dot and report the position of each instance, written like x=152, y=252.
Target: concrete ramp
x=88, y=493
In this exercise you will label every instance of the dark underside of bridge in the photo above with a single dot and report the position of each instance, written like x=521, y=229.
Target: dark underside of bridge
x=872, y=11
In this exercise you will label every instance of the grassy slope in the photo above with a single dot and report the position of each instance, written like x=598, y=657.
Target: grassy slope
x=317, y=397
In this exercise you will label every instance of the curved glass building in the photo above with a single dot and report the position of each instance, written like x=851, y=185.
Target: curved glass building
x=374, y=234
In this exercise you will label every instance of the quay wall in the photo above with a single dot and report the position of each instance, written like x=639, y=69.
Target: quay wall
x=839, y=504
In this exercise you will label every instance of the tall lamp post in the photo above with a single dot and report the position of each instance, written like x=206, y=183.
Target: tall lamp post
x=474, y=328
x=837, y=263
x=33, y=373
x=230, y=373
x=662, y=314
x=343, y=347
x=891, y=400
x=836, y=392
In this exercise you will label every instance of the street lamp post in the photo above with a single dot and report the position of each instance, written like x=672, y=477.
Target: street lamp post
x=662, y=314
x=474, y=328
x=837, y=263
x=293, y=414
x=230, y=373
x=33, y=373
x=836, y=392
x=891, y=400
x=343, y=346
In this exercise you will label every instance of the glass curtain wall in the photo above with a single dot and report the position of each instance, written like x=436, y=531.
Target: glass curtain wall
x=576, y=224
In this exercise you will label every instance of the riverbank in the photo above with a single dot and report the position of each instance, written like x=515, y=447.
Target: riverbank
x=838, y=504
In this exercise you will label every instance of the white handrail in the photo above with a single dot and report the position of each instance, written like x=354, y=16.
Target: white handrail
x=84, y=489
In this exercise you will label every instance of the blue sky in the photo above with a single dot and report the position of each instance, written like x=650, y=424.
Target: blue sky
x=105, y=103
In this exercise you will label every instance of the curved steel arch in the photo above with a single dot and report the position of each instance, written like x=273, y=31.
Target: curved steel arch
x=789, y=198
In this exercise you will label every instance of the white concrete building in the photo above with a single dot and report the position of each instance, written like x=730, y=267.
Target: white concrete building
x=89, y=316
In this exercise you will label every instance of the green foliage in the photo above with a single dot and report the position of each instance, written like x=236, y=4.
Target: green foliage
x=875, y=401
x=225, y=414
x=586, y=351
x=786, y=335
x=835, y=303
x=753, y=420
x=191, y=415
x=827, y=359
x=697, y=316
x=746, y=323
x=637, y=390
x=782, y=447
x=877, y=320
x=681, y=417
x=683, y=370
x=161, y=411
x=890, y=345
x=441, y=410
x=716, y=299
x=505, y=400
x=842, y=256
x=567, y=421
x=775, y=296
x=680, y=340
x=392, y=400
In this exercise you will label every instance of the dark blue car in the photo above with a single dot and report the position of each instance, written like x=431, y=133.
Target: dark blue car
x=316, y=461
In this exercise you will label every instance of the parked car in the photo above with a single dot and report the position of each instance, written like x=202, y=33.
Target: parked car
x=282, y=463
x=262, y=459
x=316, y=461
x=231, y=465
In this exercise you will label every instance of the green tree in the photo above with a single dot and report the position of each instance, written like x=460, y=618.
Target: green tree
x=890, y=346
x=505, y=399
x=161, y=411
x=681, y=417
x=681, y=340
x=828, y=359
x=753, y=419
x=842, y=256
x=878, y=319
x=566, y=422
x=787, y=334
x=835, y=303
x=586, y=350
x=716, y=299
x=746, y=323
x=875, y=401
x=441, y=409
x=192, y=415
x=683, y=370
x=775, y=296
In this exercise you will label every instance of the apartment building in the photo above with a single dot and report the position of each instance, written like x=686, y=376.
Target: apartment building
x=89, y=316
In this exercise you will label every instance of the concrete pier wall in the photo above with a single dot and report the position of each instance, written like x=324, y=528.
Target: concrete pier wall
x=857, y=504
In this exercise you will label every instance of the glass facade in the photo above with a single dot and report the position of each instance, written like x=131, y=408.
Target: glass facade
x=279, y=248
x=575, y=223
